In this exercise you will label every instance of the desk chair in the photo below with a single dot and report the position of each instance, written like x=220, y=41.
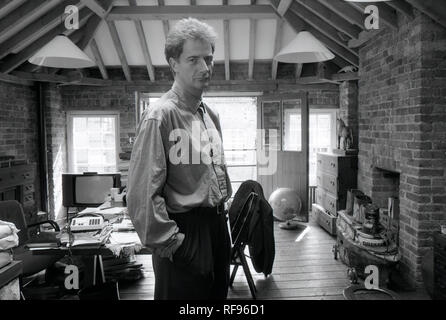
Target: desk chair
x=239, y=235
x=12, y=211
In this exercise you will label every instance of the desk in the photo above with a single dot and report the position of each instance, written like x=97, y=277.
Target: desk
x=91, y=255
x=9, y=281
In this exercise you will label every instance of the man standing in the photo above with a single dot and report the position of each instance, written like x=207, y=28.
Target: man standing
x=178, y=181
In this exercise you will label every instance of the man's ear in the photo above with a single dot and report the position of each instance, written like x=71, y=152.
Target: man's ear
x=173, y=65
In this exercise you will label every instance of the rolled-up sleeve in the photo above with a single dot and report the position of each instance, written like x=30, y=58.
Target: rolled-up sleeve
x=146, y=179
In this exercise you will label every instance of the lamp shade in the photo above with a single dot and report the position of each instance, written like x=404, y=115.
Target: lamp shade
x=61, y=52
x=304, y=48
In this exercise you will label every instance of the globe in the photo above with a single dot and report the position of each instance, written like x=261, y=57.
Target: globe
x=286, y=204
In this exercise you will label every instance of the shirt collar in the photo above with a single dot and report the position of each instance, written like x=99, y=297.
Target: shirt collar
x=191, y=102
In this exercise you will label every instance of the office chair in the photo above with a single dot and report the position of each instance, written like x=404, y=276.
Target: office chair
x=239, y=235
x=12, y=211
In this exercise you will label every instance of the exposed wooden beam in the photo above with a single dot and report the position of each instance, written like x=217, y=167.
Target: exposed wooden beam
x=363, y=37
x=320, y=25
x=332, y=45
x=37, y=28
x=15, y=80
x=436, y=10
x=402, y=7
x=331, y=18
x=6, y=6
x=98, y=58
x=145, y=48
x=227, y=49
x=342, y=9
x=73, y=78
x=96, y=7
x=176, y=12
x=16, y=17
x=165, y=21
x=277, y=47
x=283, y=6
x=252, y=47
x=386, y=14
x=345, y=76
x=314, y=80
x=12, y=62
x=216, y=85
x=227, y=45
x=90, y=31
x=119, y=49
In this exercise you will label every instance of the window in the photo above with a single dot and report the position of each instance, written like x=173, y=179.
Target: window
x=238, y=119
x=322, y=137
x=93, y=142
x=292, y=132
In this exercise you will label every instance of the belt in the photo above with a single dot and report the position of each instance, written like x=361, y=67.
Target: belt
x=219, y=209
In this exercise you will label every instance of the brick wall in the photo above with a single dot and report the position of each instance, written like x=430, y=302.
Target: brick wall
x=402, y=128
x=18, y=122
x=18, y=126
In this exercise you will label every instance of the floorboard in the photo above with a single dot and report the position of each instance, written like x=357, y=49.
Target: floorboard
x=303, y=270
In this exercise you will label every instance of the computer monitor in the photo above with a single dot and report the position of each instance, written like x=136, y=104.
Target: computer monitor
x=88, y=189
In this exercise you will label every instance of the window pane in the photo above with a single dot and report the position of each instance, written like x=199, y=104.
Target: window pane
x=94, y=124
x=94, y=143
x=80, y=124
x=271, y=121
x=241, y=157
x=108, y=140
x=82, y=156
x=292, y=125
x=321, y=133
x=80, y=139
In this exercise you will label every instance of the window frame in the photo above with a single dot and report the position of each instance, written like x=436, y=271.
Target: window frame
x=90, y=113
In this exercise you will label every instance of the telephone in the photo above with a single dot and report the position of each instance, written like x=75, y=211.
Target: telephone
x=87, y=222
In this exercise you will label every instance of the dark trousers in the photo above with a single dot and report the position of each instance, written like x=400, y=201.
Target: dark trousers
x=200, y=267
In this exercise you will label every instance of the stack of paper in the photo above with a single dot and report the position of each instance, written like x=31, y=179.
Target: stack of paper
x=91, y=238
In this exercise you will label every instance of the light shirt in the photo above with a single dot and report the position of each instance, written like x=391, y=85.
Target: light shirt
x=174, y=169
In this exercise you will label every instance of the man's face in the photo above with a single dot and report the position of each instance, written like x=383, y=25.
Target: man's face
x=193, y=68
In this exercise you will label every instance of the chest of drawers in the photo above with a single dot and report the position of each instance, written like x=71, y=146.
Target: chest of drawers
x=335, y=175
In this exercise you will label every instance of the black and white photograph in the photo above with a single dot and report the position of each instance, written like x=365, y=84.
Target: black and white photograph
x=222, y=154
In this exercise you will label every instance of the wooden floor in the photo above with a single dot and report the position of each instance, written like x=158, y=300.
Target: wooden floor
x=303, y=270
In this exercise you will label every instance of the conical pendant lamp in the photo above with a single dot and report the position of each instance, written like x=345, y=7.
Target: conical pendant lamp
x=61, y=52
x=305, y=48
